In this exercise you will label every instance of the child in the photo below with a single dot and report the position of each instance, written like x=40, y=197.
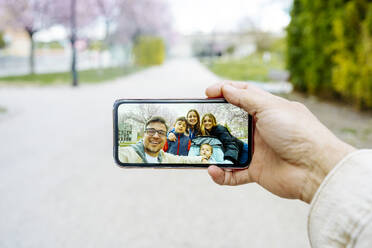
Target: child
x=193, y=125
x=181, y=145
x=206, y=150
x=235, y=150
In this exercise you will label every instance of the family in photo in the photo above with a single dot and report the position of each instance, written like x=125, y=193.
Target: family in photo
x=190, y=140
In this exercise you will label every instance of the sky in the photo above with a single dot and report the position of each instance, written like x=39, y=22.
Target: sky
x=227, y=15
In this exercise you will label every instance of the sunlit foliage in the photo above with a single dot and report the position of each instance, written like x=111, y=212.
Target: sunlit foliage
x=330, y=47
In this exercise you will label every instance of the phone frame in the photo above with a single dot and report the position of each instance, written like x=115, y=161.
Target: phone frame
x=118, y=102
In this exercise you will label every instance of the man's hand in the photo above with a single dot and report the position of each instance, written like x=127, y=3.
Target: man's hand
x=293, y=150
x=205, y=160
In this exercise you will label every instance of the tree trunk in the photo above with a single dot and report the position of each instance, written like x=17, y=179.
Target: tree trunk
x=73, y=40
x=32, y=51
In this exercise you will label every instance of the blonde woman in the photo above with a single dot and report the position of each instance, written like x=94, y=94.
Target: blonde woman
x=235, y=150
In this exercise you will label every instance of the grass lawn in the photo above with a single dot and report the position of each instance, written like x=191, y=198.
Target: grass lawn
x=85, y=76
x=252, y=67
x=124, y=144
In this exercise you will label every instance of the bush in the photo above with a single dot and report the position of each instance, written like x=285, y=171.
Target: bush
x=149, y=50
x=329, y=47
x=2, y=41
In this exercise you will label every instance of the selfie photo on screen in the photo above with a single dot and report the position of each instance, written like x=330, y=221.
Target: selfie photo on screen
x=182, y=133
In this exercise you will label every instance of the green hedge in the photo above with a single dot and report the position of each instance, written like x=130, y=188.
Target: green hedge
x=149, y=50
x=330, y=49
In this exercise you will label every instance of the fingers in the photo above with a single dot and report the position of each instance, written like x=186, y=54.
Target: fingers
x=244, y=95
x=214, y=90
x=251, y=100
x=232, y=178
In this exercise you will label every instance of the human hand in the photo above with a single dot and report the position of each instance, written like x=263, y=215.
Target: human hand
x=293, y=150
x=172, y=137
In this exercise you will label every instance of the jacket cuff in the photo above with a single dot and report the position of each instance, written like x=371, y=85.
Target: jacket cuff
x=342, y=206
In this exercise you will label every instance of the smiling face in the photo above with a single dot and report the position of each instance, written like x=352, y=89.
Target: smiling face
x=154, y=141
x=180, y=126
x=206, y=150
x=192, y=118
x=208, y=123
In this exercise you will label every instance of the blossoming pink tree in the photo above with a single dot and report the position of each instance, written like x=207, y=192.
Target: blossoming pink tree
x=143, y=17
x=126, y=20
x=74, y=14
x=109, y=11
x=129, y=19
x=28, y=15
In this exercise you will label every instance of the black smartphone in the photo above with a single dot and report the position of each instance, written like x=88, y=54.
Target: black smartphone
x=181, y=133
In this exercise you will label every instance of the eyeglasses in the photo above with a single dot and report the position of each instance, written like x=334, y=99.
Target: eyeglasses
x=153, y=131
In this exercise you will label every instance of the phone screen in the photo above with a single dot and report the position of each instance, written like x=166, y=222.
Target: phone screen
x=181, y=133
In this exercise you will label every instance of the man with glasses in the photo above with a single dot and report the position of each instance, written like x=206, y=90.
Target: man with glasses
x=149, y=150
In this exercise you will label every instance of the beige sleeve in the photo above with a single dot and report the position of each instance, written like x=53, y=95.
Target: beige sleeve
x=341, y=210
x=123, y=154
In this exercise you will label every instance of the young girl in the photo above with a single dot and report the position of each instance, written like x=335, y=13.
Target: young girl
x=193, y=125
x=235, y=150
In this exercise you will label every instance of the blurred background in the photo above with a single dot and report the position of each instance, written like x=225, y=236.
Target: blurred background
x=63, y=63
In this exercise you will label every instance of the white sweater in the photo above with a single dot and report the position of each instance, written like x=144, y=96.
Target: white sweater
x=341, y=210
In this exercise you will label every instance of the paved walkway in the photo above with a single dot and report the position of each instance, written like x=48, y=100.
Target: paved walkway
x=59, y=186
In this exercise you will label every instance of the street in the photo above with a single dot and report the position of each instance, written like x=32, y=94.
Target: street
x=59, y=186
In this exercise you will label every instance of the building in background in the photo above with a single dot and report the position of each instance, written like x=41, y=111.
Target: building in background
x=18, y=43
x=128, y=132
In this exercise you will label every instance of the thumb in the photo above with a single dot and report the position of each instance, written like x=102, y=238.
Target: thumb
x=249, y=98
x=217, y=174
x=226, y=177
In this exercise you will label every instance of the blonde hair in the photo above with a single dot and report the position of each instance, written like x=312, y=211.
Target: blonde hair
x=206, y=144
x=214, y=123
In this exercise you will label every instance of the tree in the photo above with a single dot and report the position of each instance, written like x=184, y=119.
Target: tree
x=329, y=47
x=143, y=17
x=108, y=10
x=295, y=48
x=30, y=16
x=141, y=113
x=74, y=14
x=226, y=114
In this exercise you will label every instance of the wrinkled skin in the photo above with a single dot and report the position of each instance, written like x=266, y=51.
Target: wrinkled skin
x=293, y=150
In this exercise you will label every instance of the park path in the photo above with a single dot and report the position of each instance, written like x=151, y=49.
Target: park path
x=59, y=186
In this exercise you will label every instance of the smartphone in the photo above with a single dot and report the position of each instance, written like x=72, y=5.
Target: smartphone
x=181, y=133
